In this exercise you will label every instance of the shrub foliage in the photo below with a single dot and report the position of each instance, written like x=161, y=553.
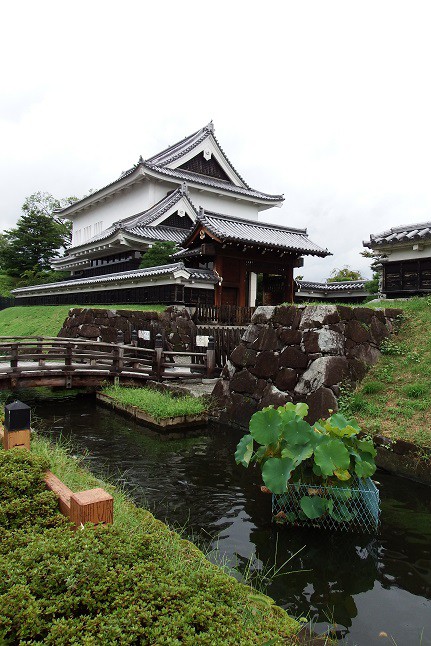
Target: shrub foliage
x=112, y=586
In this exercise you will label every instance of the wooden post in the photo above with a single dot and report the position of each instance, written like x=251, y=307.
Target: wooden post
x=14, y=355
x=210, y=357
x=92, y=506
x=134, y=339
x=158, y=357
x=39, y=350
x=16, y=439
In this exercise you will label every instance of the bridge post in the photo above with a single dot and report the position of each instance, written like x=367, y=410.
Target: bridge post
x=158, y=357
x=14, y=355
x=134, y=340
x=39, y=350
x=120, y=337
x=210, y=357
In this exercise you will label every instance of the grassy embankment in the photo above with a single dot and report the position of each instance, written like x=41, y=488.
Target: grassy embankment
x=47, y=320
x=133, y=582
x=394, y=399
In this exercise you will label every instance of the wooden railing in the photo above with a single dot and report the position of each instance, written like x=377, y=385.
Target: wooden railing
x=223, y=315
x=28, y=358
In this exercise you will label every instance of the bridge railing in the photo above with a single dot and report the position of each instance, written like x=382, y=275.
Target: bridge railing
x=36, y=355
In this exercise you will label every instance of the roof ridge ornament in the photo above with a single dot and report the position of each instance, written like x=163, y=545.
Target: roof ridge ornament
x=183, y=189
x=210, y=126
x=140, y=160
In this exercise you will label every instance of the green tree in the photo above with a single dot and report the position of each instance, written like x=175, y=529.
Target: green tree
x=38, y=236
x=343, y=274
x=159, y=254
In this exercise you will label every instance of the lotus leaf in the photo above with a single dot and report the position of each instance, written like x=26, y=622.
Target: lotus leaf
x=297, y=453
x=342, y=474
x=341, y=513
x=276, y=473
x=244, y=450
x=365, y=466
x=265, y=426
x=297, y=432
x=314, y=507
x=331, y=455
x=367, y=447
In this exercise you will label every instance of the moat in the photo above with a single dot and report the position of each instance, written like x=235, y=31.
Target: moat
x=362, y=584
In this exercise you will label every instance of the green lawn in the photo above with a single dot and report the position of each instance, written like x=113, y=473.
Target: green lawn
x=394, y=399
x=47, y=320
x=158, y=405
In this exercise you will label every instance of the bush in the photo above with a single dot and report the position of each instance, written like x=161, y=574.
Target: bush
x=110, y=585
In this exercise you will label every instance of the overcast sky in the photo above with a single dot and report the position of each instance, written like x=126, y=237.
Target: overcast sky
x=325, y=101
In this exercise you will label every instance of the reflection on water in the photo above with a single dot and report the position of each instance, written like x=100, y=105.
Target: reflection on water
x=364, y=584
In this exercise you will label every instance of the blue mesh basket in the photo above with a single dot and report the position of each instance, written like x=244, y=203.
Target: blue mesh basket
x=349, y=508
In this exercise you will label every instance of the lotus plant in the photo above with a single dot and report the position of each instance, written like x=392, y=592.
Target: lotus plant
x=289, y=451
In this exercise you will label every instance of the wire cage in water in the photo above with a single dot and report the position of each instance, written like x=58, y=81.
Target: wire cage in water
x=354, y=507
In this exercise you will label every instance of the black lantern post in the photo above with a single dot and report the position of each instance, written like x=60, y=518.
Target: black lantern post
x=17, y=423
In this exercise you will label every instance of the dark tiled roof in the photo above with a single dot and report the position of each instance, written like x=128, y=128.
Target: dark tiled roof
x=342, y=286
x=401, y=234
x=204, y=180
x=205, y=275
x=159, y=233
x=227, y=228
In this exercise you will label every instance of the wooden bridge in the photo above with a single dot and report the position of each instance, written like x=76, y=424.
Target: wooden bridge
x=75, y=363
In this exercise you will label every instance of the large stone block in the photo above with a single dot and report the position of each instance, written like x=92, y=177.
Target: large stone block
x=357, y=332
x=286, y=379
x=263, y=314
x=266, y=364
x=251, y=333
x=240, y=409
x=266, y=340
x=324, y=340
x=345, y=313
x=243, y=382
x=89, y=331
x=289, y=336
x=243, y=356
x=287, y=315
x=320, y=403
x=378, y=331
x=315, y=316
x=274, y=397
x=363, y=314
x=325, y=371
x=366, y=353
x=293, y=357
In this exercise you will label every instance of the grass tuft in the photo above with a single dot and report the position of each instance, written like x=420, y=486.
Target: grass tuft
x=158, y=405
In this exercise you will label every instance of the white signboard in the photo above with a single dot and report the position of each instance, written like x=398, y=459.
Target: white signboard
x=144, y=334
x=202, y=341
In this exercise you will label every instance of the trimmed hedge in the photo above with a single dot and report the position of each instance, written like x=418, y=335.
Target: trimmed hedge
x=107, y=585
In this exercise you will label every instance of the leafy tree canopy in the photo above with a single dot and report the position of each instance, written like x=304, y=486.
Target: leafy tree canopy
x=159, y=254
x=38, y=236
x=343, y=274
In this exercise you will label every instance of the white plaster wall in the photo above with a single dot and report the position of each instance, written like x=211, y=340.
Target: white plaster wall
x=225, y=205
x=409, y=254
x=138, y=198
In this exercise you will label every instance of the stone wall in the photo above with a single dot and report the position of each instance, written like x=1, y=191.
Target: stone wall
x=300, y=353
x=174, y=324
